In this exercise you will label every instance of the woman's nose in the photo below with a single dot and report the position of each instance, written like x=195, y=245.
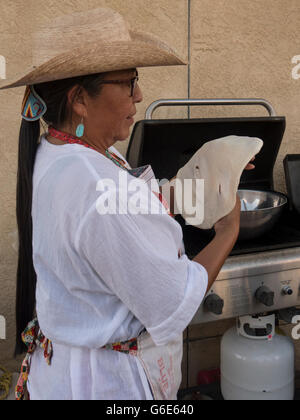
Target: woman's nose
x=138, y=95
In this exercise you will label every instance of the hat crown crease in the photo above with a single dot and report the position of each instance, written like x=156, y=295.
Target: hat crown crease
x=68, y=32
x=90, y=42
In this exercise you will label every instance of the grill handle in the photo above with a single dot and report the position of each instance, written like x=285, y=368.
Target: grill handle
x=201, y=102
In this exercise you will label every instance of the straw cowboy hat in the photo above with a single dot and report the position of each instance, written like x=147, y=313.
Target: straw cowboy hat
x=94, y=41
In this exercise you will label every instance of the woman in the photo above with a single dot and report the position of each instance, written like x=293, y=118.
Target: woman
x=98, y=280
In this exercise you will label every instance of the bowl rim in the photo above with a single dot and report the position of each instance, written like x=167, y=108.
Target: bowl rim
x=276, y=193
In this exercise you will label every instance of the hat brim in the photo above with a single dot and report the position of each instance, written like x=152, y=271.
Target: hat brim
x=142, y=51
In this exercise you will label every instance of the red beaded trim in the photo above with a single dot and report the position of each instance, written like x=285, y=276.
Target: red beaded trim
x=68, y=138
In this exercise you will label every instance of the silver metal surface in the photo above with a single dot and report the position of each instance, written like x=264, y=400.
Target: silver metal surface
x=260, y=210
x=202, y=102
x=242, y=275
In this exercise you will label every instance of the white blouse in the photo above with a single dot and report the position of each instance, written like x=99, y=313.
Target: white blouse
x=101, y=278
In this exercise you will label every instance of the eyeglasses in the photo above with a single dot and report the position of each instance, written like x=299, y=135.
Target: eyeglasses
x=133, y=83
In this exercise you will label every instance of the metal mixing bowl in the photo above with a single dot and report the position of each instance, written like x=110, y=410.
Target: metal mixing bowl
x=260, y=210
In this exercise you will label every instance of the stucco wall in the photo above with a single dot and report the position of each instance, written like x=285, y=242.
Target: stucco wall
x=243, y=49
x=167, y=19
x=237, y=48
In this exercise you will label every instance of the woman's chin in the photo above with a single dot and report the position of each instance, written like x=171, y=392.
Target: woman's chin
x=123, y=137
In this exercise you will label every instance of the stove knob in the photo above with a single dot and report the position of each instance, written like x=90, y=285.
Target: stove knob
x=213, y=303
x=287, y=291
x=265, y=295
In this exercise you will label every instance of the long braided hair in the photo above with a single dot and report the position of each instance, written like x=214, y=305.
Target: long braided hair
x=54, y=94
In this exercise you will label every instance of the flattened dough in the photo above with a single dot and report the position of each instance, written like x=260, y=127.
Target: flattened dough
x=220, y=163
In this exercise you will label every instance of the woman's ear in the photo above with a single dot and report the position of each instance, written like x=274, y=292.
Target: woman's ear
x=77, y=100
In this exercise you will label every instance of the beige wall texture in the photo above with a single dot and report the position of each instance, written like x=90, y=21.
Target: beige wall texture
x=243, y=49
x=238, y=49
x=167, y=19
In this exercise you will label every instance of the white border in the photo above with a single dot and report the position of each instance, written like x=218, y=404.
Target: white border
x=2, y=328
x=2, y=67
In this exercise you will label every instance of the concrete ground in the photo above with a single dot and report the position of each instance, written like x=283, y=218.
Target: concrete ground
x=11, y=396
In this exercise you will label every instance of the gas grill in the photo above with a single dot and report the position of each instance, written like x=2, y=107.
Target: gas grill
x=260, y=275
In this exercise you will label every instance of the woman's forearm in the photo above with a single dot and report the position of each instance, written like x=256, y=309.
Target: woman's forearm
x=213, y=256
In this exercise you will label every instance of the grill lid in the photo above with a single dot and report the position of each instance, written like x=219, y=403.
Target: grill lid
x=167, y=145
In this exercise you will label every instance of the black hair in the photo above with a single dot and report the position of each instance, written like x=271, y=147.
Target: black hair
x=54, y=94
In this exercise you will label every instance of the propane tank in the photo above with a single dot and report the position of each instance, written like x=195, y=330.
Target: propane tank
x=257, y=363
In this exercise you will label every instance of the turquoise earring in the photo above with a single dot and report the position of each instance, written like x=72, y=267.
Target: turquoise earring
x=80, y=129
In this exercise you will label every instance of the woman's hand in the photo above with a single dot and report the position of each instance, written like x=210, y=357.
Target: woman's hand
x=250, y=165
x=213, y=256
x=231, y=222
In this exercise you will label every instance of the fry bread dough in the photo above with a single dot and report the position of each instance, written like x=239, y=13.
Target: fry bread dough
x=220, y=164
